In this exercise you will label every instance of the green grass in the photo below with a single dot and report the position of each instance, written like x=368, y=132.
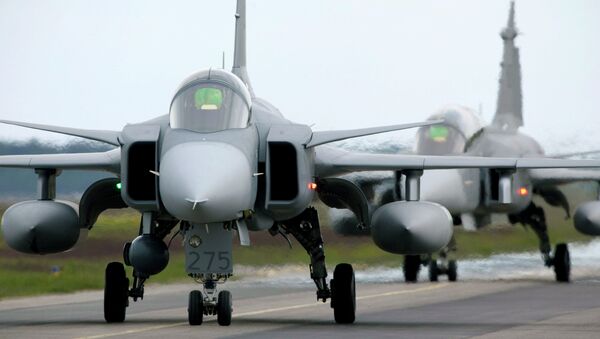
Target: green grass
x=117, y=225
x=26, y=276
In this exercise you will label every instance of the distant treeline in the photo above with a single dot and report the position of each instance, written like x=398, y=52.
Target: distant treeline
x=22, y=183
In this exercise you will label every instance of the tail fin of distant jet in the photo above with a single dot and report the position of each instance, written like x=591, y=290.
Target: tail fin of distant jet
x=239, y=53
x=509, y=109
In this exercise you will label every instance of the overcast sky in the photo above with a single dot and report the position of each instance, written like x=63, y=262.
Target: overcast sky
x=336, y=64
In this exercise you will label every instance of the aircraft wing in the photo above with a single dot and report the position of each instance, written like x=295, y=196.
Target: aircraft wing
x=109, y=137
x=331, y=162
x=324, y=137
x=97, y=161
x=562, y=176
x=574, y=154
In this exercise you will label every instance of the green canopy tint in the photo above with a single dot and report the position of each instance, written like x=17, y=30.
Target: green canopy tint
x=208, y=98
x=438, y=133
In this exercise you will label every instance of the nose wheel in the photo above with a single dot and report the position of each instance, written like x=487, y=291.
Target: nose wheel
x=201, y=304
x=195, y=308
x=448, y=268
x=224, y=308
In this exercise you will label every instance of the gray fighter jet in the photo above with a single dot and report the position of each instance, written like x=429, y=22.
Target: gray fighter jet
x=472, y=196
x=224, y=161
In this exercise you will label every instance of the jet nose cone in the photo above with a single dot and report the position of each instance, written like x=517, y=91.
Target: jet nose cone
x=205, y=182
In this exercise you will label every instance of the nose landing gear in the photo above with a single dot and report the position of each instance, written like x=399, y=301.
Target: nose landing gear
x=208, y=260
x=209, y=303
x=436, y=267
x=443, y=267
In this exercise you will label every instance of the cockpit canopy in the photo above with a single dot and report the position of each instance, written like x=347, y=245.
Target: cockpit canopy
x=211, y=101
x=450, y=137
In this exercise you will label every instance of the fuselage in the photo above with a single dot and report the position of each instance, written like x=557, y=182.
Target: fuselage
x=218, y=133
x=476, y=191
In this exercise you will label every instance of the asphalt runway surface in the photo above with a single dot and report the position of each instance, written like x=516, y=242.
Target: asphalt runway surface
x=529, y=308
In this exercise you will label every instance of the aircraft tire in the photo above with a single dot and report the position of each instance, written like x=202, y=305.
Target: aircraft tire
x=343, y=294
x=116, y=290
x=452, y=268
x=411, y=267
x=562, y=263
x=433, y=271
x=195, y=308
x=224, y=308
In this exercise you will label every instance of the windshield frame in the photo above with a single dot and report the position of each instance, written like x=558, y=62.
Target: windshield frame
x=427, y=145
x=219, y=84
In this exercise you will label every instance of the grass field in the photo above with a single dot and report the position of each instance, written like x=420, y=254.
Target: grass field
x=83, y=267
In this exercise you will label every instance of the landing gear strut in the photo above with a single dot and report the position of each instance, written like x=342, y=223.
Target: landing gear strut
x=535, y=217
x=306, y=230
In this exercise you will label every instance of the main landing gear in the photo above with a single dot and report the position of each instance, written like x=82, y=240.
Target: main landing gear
x=306, y=230
x=148, y=255
x=561, y=262
x=411, y=268
x=116, y=289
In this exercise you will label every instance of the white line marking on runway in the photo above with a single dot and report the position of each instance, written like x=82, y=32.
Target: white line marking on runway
x=268, y=310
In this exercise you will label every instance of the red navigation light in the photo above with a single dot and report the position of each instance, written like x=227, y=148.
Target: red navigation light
x=312, y=186
x=523, y=191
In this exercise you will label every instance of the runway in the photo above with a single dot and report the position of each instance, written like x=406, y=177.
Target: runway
x=481, y=309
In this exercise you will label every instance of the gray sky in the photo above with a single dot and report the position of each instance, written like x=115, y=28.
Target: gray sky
x=337, y=64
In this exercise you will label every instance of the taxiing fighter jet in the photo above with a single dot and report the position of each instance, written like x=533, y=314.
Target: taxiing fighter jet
x=472, y=195
x=224, y=160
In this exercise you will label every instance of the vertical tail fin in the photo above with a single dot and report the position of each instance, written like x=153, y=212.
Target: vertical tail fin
x=239, y=53
x=509, y=109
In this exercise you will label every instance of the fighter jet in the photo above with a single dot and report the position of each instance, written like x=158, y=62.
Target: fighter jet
x=472, y=196
x=224, y=161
